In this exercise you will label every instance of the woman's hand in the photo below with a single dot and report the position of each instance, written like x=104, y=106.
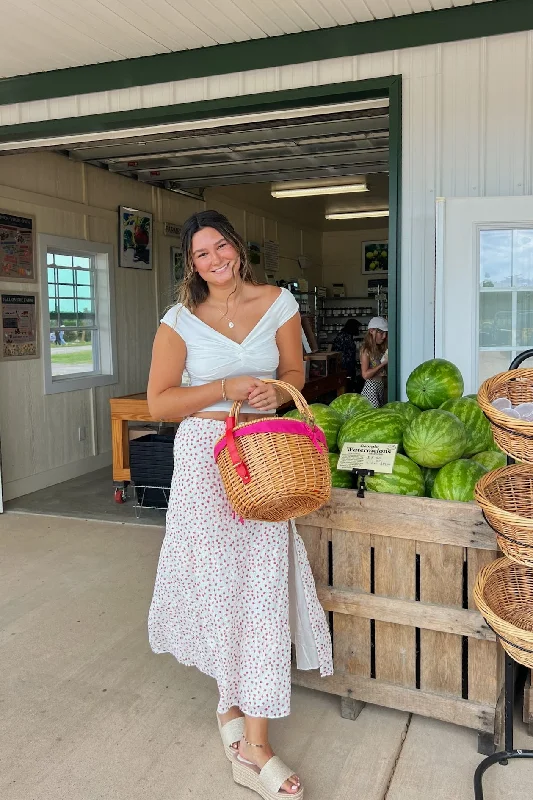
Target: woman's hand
x=240, y=388
x=264, y=397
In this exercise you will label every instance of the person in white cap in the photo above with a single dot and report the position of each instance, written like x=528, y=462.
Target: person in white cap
x=374, y=360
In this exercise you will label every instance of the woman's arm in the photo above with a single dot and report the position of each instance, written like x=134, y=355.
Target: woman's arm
x=290, y=369
x=367, y=371
x=167, y=399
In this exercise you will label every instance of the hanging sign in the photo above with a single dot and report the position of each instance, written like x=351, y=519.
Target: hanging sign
x=270, y=256
x=365, y=455
x=19, y=326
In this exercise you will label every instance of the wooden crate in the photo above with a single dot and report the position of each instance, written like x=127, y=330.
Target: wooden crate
x=397, y=574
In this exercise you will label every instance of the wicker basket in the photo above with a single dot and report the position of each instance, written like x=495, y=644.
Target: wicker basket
x=503, y=593
x=506, y=497
x=274, y=468
x=513, y=436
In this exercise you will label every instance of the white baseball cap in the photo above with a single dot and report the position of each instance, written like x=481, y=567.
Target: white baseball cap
x=379, y=323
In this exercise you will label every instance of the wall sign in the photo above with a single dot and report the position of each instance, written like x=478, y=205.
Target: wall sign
x=364, y=455
x=270, y=256
x=171, y=229
x=17, y=248
x=135, y=238
x=19, y=326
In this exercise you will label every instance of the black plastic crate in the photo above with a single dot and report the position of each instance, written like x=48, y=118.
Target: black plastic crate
x=151, y=466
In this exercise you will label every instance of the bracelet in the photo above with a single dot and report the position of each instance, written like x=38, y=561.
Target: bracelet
x=224, y=396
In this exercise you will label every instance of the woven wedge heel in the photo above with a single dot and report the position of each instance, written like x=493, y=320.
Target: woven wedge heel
x=267, y=782
x=230, y=733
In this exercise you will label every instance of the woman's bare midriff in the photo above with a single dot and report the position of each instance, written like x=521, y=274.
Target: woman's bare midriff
x=222, y=415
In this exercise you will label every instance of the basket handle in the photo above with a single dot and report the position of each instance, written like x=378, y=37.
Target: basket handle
x=299, y=402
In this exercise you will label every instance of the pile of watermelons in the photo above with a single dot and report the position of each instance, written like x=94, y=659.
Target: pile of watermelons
x=445, y=441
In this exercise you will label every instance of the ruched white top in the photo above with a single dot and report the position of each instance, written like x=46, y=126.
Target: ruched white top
x=212, y=356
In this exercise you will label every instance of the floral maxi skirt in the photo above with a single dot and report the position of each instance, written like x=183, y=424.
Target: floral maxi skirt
x=231, y=594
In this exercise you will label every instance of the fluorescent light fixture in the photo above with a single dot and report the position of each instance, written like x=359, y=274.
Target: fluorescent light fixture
x=280, y=190
x=357, y=214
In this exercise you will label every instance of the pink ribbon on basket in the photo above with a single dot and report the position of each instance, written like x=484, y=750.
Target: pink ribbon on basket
x=277, y=425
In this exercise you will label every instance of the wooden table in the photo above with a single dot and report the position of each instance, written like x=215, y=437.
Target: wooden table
x=135, y=407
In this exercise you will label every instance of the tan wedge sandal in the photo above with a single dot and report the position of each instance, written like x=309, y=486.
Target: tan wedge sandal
x=268, y=781
x=230, y=733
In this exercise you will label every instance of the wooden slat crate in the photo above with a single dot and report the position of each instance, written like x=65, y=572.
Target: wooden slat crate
x=397, y=575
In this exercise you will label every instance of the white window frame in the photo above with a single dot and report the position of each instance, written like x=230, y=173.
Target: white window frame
x=103, y=255
x=513, y=349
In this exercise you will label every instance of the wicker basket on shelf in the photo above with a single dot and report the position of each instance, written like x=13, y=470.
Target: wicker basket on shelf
x=503, y=593
x=513, y=436
x=506, y=497
x=274, y=468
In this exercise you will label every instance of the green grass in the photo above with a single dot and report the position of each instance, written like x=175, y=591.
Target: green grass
x=62, y=357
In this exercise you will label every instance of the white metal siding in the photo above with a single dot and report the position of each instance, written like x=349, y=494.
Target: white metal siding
x=98, y=31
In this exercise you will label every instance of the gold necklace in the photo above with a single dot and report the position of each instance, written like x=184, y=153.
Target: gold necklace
x=231, y=324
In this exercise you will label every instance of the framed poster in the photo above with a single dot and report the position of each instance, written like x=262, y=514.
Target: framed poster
x=19, y=325
x=176, y=267
x=136, y=236
x=17, y=248
x=375, y=258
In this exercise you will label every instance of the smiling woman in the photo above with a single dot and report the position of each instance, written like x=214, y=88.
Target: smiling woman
x=222, y=595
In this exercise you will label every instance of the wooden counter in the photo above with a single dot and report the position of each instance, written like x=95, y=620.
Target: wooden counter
x=135, y=407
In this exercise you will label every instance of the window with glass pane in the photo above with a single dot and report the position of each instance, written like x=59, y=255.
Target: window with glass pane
x=506, y=297
x=73, y=325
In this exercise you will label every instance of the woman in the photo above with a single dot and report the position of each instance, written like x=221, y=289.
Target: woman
x=374, y=360
x=222, y=599
x=345, y=343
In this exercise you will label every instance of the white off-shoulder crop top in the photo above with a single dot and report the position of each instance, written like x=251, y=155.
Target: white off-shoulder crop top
x=212, y=356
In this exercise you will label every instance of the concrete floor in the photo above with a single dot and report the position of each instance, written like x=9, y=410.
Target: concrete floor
x=90, y=496
x=89, y=713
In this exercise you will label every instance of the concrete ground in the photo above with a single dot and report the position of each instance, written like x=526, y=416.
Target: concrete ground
x=89, y=713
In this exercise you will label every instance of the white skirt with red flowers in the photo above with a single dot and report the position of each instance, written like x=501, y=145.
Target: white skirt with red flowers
x=231, y=594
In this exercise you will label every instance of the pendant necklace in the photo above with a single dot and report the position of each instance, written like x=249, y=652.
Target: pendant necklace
x=231, y=324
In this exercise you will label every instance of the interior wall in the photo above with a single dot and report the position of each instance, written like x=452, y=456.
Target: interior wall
x=342, y=254
x=38, y=433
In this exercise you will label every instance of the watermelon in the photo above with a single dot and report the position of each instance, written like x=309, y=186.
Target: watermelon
x=326, y=418
x=457, y=480
x=478, y=430
x=434, y=382
x=294, y=414
x=472, y=396
x=490, y=459
x=494, y=446
x=408, y=410
x=350, y=404
x=380, y=426
x=340, y=478
x=434, y=438
x=429, y=473
x=406, y=478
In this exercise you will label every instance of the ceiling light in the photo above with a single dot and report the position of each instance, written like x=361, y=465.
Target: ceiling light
x=280, y=190
x=357, y=214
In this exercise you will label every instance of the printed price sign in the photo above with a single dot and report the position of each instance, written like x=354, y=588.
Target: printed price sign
x=364, y=455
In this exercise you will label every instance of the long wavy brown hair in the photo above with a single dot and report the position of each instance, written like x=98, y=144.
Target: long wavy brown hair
x=193, y=290
x=375, y=351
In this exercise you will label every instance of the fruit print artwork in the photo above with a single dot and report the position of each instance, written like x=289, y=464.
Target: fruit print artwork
x=375, y=258
x=136, y=233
